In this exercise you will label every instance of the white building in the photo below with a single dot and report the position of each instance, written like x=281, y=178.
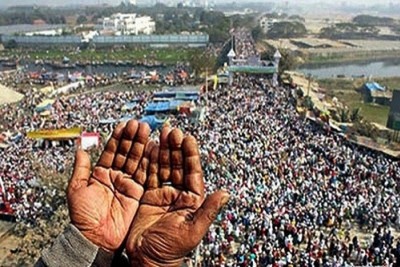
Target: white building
x=87, y=36
x=131, y=2
x=126, y=24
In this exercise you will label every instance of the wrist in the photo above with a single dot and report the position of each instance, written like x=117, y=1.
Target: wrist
x=140, y=259
x=149, y=263
x=72, y=248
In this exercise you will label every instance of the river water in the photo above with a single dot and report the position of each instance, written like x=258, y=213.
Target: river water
x=378, y=68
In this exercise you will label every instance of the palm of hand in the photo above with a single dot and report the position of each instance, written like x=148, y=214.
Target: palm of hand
x=102, y=204
x=171, y=219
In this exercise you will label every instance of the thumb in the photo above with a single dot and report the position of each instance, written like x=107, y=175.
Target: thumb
x=81, y=174
x=207, y=213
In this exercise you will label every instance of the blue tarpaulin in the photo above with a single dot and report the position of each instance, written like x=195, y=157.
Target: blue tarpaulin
x=153, y=121
x=163, y=106
x=165, y=94
x=157, y=107
x=174, y=105
x=373, y=86
x=187, y=97
x=43, y=108
x=175, y=94
x=130, y=105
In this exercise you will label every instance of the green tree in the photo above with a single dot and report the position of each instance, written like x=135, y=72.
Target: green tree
x=297, y=17
x=11, y=44
x=355, y=115
x=368, y=20
x=257, y=34
x=344, y=115
x=202, y=62
x=82, y=19
x=288, y=60
x=287, y=29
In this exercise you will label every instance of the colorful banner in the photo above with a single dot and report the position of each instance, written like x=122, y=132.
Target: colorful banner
x=89, y=140
x=45, y=105
x=215, y=82
x=252, y=69
x=71, y=133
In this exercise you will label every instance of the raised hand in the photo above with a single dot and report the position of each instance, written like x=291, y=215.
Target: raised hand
x=173, y=216
x=103, y=203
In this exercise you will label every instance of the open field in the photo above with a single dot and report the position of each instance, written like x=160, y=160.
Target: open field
x=346, y=91
x=319, y=50
x=165, y=55
x=7, y=240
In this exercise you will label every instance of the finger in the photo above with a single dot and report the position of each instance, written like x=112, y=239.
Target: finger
x=207, y=213
x=193, y=178
x=136, y=152
x=141, y=172
x=175, y=140
x=164, y=156
x=107, y=157
x=127, y=196
x=152, y=181
x=125, y=144
x=128, y=188
x=81, y=172
x=162, y=197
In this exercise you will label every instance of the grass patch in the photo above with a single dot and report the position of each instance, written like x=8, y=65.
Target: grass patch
x=164, y=55
x=346, y=91
x=354, y=56
x=375, y=113
x=340, y=84
x=392, y=83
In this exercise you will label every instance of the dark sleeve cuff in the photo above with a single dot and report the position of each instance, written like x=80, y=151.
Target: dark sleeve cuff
x=71, y=248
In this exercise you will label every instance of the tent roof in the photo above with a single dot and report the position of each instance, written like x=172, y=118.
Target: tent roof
x=231, y=53
x=373, y=86
x=8, y=95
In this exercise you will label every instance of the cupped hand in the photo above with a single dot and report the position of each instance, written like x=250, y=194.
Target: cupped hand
x=173, y=216
x=103, y=203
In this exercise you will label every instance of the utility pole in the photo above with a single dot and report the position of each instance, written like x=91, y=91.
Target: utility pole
x=197, y=256
x=206, y=86
x=309, y=84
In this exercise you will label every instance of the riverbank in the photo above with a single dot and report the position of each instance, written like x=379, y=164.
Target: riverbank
x=346, y=90
x=352, y=56
x=371, y=68
x=314, y=50
x=369, y=131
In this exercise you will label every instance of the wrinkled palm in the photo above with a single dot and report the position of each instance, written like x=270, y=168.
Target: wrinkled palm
x=173, y=216
x=103, y=203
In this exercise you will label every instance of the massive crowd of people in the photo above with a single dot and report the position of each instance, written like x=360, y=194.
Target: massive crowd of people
x=21, y=159
x=300, y=195
x=292, y=184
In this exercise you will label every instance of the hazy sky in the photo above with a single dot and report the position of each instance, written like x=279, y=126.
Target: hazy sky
x=64, y=2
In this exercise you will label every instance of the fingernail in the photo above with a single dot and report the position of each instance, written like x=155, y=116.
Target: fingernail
x=224, y=200
x=212, y=215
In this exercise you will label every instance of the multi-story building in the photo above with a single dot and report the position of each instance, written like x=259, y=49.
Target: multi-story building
x=128, y=24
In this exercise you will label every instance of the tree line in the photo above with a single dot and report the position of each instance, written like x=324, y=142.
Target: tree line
x=28, y=16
